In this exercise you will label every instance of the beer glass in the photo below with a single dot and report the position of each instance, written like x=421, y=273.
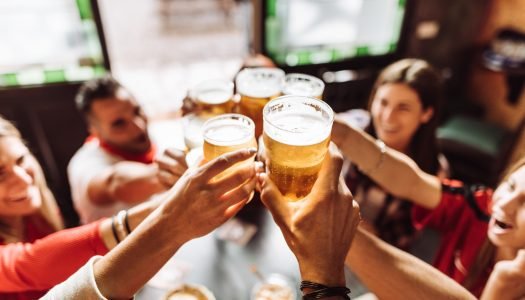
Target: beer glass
x=213, y=97
x=296, y=138
x=257, y=86
x=227, y=133
x=303, y=85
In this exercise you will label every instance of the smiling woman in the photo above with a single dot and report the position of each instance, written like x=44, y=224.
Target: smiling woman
x=31, y=240
x=404, y=107
x=479, y=227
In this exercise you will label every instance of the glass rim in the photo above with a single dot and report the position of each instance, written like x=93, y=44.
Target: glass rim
x=312, y=100
x=306, y=76
x=228, y=84
x=249, y=123
x=279, y=75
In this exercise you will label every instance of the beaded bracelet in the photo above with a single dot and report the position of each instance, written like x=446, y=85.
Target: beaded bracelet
x=322, y=291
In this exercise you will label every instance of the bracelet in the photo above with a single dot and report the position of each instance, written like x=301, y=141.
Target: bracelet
x=126, y=222
x=114, y=230
x=322, y=291
x=382, y=152
x=121, y=228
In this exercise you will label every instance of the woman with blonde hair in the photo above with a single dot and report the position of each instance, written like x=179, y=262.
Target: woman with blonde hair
x=36, y=254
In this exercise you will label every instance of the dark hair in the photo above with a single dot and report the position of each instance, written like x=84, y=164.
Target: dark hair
x=103, y=87
x=427, y=83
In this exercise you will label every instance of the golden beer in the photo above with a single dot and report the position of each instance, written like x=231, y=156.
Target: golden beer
x=303, y=85
x=256, y=87
x=296, y=137
x=213, y=97
x=227, y=133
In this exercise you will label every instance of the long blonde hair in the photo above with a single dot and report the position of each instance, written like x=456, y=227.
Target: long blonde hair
x=48, y=215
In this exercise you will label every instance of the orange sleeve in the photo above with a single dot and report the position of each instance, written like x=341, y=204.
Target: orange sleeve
x=48, y=261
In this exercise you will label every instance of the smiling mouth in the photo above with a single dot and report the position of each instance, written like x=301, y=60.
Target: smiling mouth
x=20, y=199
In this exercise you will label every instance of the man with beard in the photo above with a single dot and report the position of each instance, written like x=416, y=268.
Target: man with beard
x=117, y=167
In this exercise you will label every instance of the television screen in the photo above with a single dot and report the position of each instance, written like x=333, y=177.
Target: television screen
x=304, y=32
x=48, y=41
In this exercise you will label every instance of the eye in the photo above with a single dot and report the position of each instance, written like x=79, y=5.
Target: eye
x=511, y=184
x=20, y=161
x=118, y=123
x=404, y=108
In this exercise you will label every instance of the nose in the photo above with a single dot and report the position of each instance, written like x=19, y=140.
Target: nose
x=21, y=177
x=508, y=203
x=388, y=114
x=139, y=124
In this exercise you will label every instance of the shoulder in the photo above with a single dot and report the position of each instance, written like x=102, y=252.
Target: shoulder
x=476, y=197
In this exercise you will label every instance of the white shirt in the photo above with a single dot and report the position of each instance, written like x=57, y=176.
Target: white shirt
x=88, y=162
x=81, y=285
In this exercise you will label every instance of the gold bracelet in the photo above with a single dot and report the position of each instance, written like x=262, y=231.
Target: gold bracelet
x=382, y=152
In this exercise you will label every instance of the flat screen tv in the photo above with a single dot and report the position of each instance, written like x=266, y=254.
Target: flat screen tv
x=49, y=42
x=298, y=33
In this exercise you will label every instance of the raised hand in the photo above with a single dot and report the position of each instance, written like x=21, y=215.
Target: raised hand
x=319, y=228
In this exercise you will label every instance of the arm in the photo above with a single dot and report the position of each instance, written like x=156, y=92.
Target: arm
x=507, y=281
x=134, y=182
x=26, y=266
x=393, y=274
x=193, y=207
x=318, y=229
x=394, y=171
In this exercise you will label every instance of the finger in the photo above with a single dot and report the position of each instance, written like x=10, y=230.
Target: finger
x=223, y=162
x=231, y=211
x=233, y=179
x=274, y=200
x=177, y=155
x=328, y=178
x=168, y=179
x=169, y=165
x=238, y=194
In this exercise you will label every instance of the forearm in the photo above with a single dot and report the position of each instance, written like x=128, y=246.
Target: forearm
x=136, y=215
x=394, y=171
x=123, y=271
x=393, y=274
x=128, y=182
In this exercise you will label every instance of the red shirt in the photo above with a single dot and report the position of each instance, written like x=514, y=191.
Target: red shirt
x=29, y=269
x=462, y=218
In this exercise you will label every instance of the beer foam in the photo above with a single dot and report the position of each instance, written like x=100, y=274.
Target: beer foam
x=301, y=89
x=214, y=96
x=301, y=128
x=260, y=89
x=228, y=133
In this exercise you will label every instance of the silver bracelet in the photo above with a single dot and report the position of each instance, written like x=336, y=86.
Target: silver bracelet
x=382, y=151
x=121, y=227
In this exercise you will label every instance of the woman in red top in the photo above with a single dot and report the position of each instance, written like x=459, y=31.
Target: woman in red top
x=35, y=253
x=479, y=227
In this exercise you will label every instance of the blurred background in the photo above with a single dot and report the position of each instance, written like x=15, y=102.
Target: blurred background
x=161, y=48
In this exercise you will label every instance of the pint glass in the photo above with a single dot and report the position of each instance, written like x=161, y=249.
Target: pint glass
x=227, y=133
x=296, y=137
x=213, y=97
x=257, y=86
x=303, y=85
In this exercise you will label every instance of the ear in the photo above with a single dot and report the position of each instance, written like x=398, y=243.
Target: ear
x=92, y=130
x=427, y=115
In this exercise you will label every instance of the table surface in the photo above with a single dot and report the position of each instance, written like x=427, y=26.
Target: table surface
x=224, y=267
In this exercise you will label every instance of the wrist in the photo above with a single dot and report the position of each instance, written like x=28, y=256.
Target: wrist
x=328, y=276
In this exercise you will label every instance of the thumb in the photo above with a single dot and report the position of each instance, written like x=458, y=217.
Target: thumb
x=273, y=199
